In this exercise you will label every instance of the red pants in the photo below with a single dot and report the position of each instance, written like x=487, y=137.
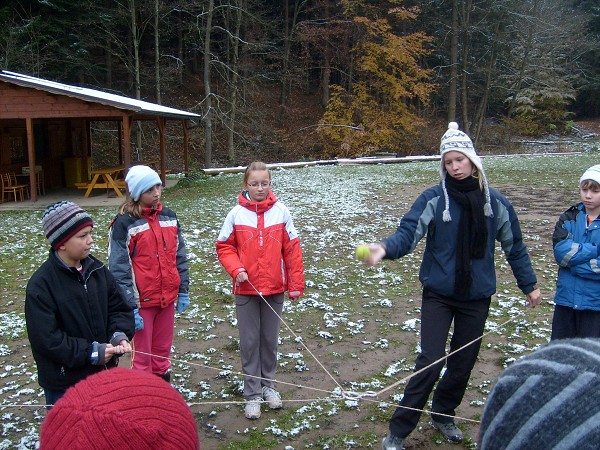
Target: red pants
x=155, y=339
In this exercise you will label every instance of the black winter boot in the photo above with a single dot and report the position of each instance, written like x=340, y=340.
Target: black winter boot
x=165, y=376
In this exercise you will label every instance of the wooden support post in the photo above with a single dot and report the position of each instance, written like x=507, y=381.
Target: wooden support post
x=31, y=158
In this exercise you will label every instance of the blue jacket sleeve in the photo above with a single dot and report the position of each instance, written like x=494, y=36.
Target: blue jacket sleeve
x=581, y=258
x=413, y=226
x=181, y=261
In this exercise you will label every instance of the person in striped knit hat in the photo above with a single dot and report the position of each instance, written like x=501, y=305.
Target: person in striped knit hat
x=550, y=399
x=78, y=321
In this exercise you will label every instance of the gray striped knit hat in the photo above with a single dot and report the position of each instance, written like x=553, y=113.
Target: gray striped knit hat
x=62, y=220
x=547, y=400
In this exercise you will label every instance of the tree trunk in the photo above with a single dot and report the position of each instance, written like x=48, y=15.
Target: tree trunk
x=326, y=70
x=284, y=63
x=466, y=11
x=524, y=61
x=325, y=79
x=157, y=51
x=136, y=50
x=453, y=63
x=108, y=61
x=481, y=110
x=207, y=91
x=180, y=48
x=234, y=83
x=285, y=75
x=136, y=63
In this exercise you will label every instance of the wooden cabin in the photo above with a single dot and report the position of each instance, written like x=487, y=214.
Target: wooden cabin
x=45, y=129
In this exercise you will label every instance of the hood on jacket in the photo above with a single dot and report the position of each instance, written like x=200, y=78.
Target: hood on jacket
x=258, y=207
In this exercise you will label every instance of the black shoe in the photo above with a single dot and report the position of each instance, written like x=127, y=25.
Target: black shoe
x=165, y=376
x=450, y=430
x=391, y=442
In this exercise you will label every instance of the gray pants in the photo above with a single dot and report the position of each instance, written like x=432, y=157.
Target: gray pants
x=259, y=334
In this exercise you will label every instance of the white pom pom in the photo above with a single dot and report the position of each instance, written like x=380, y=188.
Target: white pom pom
x=453, y=126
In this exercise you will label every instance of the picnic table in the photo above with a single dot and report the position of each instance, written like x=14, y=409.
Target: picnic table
x=107, y=178
x=111, y=178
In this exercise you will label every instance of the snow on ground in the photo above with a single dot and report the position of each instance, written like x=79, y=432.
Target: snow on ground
x=352, y=308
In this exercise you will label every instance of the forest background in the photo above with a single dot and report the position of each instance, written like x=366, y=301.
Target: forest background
x=309, y=79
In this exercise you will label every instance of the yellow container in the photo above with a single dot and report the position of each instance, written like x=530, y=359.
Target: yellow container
x=74, y=171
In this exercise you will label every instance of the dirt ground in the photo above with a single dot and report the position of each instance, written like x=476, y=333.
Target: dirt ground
x=222, y=425
x=538, y=212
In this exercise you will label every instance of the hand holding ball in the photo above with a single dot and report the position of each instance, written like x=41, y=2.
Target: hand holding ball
x=363, y=252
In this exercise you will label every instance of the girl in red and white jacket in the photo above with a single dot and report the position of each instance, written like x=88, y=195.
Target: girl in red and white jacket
x=147, y=257
x=259, y=247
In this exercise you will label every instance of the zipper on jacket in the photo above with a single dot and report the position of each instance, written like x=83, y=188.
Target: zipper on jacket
x=88, y=274
x=260, y=238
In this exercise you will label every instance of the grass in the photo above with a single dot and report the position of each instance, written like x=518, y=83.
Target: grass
x=361, y=322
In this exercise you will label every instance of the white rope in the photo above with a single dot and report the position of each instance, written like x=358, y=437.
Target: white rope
x=367, y=396
x=441, y=359
x=298, y=338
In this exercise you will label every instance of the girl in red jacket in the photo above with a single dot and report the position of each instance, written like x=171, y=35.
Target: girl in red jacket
x=146, y=255
x=259, y=247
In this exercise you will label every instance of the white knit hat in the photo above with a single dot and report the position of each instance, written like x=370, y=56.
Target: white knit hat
x=593, y=173
x=455, y=140
x=139, y=179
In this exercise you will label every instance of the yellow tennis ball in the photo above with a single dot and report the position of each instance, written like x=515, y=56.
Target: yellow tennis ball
x=363, y=252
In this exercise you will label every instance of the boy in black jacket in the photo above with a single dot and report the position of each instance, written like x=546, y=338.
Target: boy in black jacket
x=78, y=323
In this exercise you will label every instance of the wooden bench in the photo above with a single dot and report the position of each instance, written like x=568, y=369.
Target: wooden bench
x=120, y=184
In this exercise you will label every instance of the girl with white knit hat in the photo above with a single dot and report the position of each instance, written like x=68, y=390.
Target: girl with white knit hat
x=462, y=218
x=147, y=256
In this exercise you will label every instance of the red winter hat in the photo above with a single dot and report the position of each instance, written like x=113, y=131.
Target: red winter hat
x=120, y=409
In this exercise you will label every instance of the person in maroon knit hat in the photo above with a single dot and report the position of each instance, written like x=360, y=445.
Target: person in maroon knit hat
x=120, y=409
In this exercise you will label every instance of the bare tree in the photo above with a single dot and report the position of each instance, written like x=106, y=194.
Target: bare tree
x=290, y=24
x=157, y=49
x=453, y=63
x=207, y=88
x=234, y=76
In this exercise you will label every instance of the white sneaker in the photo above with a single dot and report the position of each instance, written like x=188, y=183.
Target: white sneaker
x=252, y=408
x=272, y=397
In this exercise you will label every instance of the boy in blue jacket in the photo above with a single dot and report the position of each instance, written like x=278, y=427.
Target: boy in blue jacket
x=576, y=241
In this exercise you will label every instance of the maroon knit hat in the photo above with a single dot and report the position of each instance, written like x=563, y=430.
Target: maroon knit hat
x=120, y=409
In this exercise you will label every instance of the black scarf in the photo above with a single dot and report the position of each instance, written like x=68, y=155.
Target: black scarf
x=472, y=228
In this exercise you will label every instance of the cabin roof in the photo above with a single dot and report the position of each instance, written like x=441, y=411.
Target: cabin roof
x=94, y=95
